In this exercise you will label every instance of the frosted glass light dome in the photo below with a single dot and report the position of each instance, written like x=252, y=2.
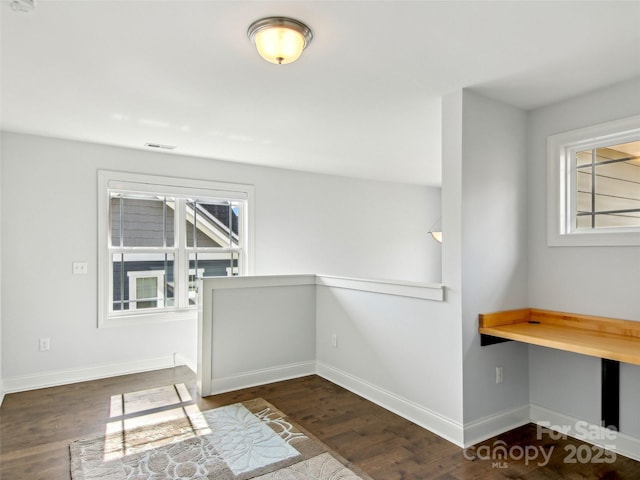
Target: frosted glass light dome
x=279, y=40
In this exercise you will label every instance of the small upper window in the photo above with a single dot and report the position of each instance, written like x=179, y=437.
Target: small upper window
x=594, y=185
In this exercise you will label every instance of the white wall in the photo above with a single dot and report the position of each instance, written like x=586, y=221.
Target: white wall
x=304, y=223
x=591, y=280
x=452, y=240
x=339, y=226
x=401, y=352
x=393, y=343
x=494, y=250
x=1, y=306
x=255, y=330
x=277, y=323
x=484, y=252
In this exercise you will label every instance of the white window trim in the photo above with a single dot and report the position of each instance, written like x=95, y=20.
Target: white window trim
x=559, y=184
x=115, y=180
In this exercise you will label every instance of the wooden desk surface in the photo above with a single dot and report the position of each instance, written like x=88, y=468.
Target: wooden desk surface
x=596, y=336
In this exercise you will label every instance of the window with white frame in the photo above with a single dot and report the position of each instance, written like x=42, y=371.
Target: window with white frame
x=158, y=235
x=594, y=185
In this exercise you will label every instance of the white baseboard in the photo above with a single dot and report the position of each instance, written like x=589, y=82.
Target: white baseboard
x=261, y=377
x=471, y=434
x=501, y=422
x=620, y=443
x=74, y=375
x=434, y=422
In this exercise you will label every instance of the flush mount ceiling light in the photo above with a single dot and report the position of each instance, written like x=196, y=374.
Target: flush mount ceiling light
x=279, y=40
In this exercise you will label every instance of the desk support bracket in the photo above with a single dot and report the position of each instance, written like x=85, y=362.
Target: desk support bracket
x=610, y=389
x=486, y=340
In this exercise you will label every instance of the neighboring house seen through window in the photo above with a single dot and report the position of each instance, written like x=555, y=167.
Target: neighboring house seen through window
x=161, y=236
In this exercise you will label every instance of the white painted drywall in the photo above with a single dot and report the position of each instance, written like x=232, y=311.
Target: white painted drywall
x=452, y=244
x=400, y=352
x=1, y=306
x=590, y=280
x=262, y=327
x=429, y=353
x=319, y=224
x=484, y=254
x=255, y=330
x=304, y=223
x=494, y=250
x=387, y=341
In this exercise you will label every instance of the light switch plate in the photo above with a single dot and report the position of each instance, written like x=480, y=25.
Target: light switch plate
x=80, y=268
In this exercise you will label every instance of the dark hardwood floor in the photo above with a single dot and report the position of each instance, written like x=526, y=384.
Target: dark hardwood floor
x=36, y=428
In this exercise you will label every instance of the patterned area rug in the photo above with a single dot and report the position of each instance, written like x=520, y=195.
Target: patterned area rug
x=250, y=440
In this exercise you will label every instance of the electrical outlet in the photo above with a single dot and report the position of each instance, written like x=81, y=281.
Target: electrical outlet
x=499, y=375
x=45, y=344
x=80, y=268
x=334, y=340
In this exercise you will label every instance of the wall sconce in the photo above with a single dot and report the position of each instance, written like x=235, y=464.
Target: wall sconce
x=279, y=40
x=436, y=231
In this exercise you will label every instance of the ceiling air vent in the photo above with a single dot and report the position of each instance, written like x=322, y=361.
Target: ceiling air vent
x=23, y=6
x=160, y=146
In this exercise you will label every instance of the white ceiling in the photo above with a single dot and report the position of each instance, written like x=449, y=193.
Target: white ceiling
x=363, y=101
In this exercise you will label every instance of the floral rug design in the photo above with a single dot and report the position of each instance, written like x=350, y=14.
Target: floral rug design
x=250, y=440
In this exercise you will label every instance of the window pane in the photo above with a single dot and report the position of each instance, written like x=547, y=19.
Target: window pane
x=583, y=158
x=616, y=152
x=584, y=202
x=118, y=293
x=169, y=222
x=616, y=178
x=210, y=265
x=618, y=220
x=222, y=264
x=114, y=212
x=583, y=194
x=212, y=224
x=583, y=221
x=143, y=281
x=142, y=222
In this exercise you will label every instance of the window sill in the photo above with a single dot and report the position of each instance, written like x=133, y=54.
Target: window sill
x=115, y=320
x=594, y=239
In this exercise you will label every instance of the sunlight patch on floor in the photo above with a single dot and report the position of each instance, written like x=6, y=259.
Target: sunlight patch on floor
x=149, y=419
x=143, y=400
